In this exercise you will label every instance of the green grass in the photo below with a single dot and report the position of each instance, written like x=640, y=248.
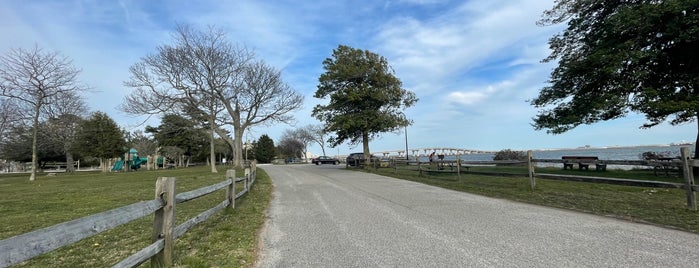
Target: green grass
x=227, y=239
x=635, y=174
x=663, y=207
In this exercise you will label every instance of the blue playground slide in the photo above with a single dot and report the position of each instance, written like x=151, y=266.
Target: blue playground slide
x=137, y=162
x=118, y=165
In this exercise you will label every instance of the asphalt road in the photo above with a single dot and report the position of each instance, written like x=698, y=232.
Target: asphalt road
x=326, y=216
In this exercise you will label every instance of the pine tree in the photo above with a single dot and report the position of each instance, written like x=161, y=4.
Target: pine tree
x=264, y=151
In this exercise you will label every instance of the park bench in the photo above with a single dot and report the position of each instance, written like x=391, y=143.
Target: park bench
x=583, y=162
x=445, y=166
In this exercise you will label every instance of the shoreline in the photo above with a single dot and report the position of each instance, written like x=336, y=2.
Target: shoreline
x=613, y=147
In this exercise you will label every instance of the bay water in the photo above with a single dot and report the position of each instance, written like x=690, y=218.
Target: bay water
x=603, y=153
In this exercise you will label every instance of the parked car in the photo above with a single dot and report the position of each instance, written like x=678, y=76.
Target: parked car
x=355, y=158
x=325, y=160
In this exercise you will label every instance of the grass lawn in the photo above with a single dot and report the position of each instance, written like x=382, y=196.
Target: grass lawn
x=664, y=207
x=227, y=239
x=635, y=174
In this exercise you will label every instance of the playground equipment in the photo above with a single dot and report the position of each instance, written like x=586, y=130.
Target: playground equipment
x=130, y=160
x=118, y=165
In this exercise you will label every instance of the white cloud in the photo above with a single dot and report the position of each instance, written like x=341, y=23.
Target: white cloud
x=473, y=64
x=466, y=98
x=420, y=2
x=430, y=51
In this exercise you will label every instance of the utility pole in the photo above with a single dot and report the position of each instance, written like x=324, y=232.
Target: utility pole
x=406, y=143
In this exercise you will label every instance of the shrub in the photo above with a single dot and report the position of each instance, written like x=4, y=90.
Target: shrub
x=655, y=155
x=508, y=154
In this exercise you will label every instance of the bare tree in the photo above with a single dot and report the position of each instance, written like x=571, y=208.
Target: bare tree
x=261, y=99
x=290, y=146
x=173, y=153
x=34, y=78
x=142, y=143
x=213, y=81
x=299, y=137
x=10, y=115
x=187, y=77
x=316, y=133
x=64, y=115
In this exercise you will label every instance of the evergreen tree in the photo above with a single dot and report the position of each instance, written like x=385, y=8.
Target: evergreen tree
x=619, y=56
x=264, y=150
x=101, y=137
x=177, y=131
x=366, y=98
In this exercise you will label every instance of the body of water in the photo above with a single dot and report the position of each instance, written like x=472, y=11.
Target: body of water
x=607, y=153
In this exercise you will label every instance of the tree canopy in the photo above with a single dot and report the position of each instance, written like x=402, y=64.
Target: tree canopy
x=293, y=143
x=316, y=133
x=19, y=146
x=101, y=137
x=366, y=98
x=175, y=130
x=208, y=78
x=620, y=56
x=265, y=150
x=39, y=83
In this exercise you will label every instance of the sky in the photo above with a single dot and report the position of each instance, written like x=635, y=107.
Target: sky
x=473, y=64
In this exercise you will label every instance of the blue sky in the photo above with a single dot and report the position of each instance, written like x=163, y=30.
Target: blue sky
x=473, y=64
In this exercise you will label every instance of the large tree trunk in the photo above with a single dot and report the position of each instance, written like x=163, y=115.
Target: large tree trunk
x=305, y=153
x=238, y=147
x=35, y=133
x=104, y=164
x=69, y=163
x=367, y=154
x=212, y=147
x=237, y=139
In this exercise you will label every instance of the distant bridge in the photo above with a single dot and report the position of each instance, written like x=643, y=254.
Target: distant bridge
x=427, y=151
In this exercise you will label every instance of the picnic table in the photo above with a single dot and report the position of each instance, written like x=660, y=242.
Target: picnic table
x=583, y=162
x=664, y=164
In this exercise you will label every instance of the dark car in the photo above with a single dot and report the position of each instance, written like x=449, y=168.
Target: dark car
x=325, y=160
x=356, y=158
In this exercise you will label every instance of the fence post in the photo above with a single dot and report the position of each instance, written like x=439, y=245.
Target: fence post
x=419, y=167
x=688, y=171
x=164, y=221
x=530, y=164
x=458, y=166
x=247, y=178
x=253, y=167
x=230, y=194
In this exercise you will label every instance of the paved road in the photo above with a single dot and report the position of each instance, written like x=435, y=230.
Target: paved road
x=325, y=216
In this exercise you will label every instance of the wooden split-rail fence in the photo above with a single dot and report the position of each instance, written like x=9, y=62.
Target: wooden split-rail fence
x=26, y=246
x=685, y=166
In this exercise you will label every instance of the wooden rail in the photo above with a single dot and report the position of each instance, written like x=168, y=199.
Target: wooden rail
x=686, y=165
x=22, y=247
